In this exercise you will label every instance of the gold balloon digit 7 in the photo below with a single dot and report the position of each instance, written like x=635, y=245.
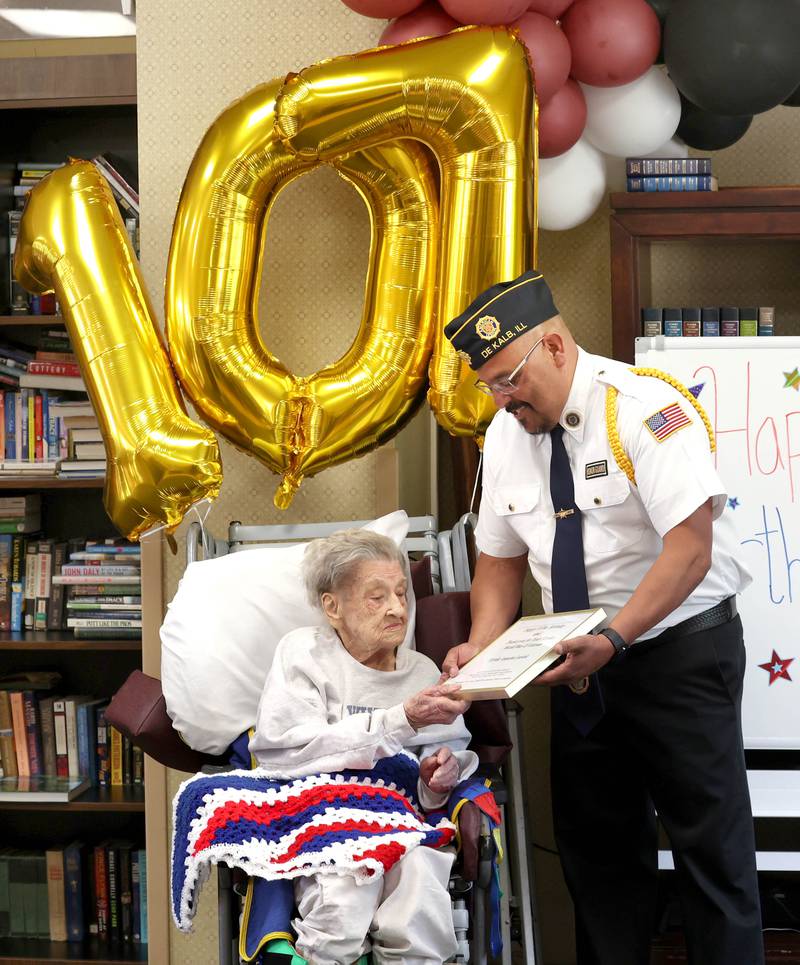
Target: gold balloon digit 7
x=469, y=97
x=297, y=426
x=159, y=461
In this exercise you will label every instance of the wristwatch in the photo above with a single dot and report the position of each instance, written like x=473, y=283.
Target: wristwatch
x=617, y=641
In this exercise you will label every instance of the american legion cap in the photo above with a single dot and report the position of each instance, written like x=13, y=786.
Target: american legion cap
x=499, y=315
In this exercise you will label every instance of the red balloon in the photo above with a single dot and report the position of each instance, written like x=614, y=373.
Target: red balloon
x=549, y=52
x=613, y=41
x=429, y=20
x=550, y=8
x=562, y=120
x=485, y=11
x=382, y=9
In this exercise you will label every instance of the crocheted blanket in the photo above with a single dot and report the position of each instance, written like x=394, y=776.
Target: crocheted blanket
x=349, y=822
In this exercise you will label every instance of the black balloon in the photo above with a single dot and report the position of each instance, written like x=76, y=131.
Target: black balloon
x=734, y=57
x=793, y=100
x=710, y=132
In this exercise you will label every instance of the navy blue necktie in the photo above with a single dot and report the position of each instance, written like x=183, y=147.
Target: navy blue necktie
x=568, y=577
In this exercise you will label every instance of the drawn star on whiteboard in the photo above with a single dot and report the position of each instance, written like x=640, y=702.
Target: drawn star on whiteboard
x=792, y=380
x=696, y=389
x=777, y=668
x=733, y=502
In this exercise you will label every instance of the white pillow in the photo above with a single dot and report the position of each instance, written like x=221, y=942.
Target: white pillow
x=221, y=630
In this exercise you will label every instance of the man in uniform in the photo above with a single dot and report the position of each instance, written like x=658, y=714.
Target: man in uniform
x=604, y=483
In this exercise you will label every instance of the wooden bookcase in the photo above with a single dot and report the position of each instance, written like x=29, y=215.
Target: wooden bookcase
x=731, y=215
x=50, y=108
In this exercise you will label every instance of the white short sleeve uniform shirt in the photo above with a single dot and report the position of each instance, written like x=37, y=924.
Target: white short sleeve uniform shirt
x=623, y=523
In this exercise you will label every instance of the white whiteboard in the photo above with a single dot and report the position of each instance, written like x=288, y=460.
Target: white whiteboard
x=751, y=392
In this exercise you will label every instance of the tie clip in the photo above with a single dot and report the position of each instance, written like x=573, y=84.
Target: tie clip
x=563, y=513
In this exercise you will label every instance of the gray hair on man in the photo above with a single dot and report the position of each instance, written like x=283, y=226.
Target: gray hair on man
x=330, y=563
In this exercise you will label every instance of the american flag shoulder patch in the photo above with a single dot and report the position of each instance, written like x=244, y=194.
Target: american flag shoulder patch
x=666, y=421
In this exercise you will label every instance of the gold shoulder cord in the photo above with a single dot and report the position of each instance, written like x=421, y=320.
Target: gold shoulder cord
x=620, y=455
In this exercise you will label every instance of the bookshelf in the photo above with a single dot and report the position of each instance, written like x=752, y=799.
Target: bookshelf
x=52, y=108
x=736, y=216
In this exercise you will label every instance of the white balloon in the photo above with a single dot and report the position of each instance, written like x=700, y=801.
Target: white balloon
x=634, y=119
x=571, y=186
x=674, y=147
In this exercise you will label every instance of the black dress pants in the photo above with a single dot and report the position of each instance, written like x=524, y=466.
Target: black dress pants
x=670, y=740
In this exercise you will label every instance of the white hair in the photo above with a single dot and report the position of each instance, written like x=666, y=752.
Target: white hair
x=330, y=563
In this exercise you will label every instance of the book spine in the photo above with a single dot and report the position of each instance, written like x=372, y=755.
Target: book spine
x=103, y=758
x=101, y=890
x=55, y=606
x=5, y=580
x=73, y=889
x=78, y=569
x=2, y=423
x=17, y=572
x=82, y=590
x=102, y=623
x=44, y=573
x=60, y=729
x=10, y=451
x=47, y=725
x=73, y=767
x=667, y=165
x=143, y=895
x=84, y=750
x=20, y=733
x=138, y=765
x=29, y=600
x=5, y=903
x=7, y=749
x=31, y=426
x=115, y=753
x=766, y=321
x=56, y=895
x=127, y=760
x=71, y=369
x=112, y=856
x=52, y=431
x=32, y=733
x=125, y=895
x=684, y=182
x=16, y=895
x=136, y=897
x=38, y=431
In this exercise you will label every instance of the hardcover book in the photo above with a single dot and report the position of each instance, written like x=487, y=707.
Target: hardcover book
x=521, y=653
x=43, y=789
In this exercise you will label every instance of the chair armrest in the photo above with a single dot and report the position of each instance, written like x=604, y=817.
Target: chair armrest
x=139, y=711
x=469, y=830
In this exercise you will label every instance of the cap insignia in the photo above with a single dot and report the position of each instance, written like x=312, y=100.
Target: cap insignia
x=487, y=327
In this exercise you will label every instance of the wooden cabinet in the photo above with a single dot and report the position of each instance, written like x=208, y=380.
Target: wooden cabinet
x=731, y=215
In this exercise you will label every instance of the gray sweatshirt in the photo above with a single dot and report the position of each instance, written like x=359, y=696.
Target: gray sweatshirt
x=321, y=710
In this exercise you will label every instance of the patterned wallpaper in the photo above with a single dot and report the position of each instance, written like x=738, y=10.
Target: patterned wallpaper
x=193, y=59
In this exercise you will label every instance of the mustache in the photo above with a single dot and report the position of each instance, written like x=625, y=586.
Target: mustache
x=514, y=405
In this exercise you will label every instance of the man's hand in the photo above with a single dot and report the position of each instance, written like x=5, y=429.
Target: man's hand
x=582, y=656
x=439, y=771
x=438, y=704
x=456, y=658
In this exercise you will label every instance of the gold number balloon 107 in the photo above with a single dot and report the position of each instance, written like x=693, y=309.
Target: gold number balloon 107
x=467, y=97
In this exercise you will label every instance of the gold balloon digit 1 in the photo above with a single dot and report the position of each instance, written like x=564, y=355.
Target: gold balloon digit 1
x=72, y=240
x=297, y=426
x=469, y=97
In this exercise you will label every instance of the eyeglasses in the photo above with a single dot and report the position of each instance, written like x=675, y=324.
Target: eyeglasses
x=508, y=385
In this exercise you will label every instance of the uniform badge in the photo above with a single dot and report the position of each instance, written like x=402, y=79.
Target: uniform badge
x=579, y=686
x=666, y=421
x=487, y=327
x=595, y=469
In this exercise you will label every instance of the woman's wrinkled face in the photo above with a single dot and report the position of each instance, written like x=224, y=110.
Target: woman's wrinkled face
x=370, y=612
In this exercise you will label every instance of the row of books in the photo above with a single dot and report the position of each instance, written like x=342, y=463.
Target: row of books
x=72, y=892
x=88, y=586
x=61, y=737
x=728, y=320
x=669, y=174
x=29, y=174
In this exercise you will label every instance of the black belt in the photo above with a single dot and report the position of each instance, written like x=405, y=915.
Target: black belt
x=721, y=613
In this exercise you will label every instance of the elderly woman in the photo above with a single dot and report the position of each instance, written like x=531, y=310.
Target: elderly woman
x=343, y=696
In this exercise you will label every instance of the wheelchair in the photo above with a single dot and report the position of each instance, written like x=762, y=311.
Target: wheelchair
x=441, y=564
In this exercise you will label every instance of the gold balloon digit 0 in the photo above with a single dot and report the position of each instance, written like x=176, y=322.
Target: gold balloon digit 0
x=72, y=240
x=469, y=97
x=297, y=426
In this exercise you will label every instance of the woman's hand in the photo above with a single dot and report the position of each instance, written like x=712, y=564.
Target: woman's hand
x=438, y=704
x=439, y=771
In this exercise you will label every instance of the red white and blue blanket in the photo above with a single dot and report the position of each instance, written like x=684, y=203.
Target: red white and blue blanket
x=350, y=822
